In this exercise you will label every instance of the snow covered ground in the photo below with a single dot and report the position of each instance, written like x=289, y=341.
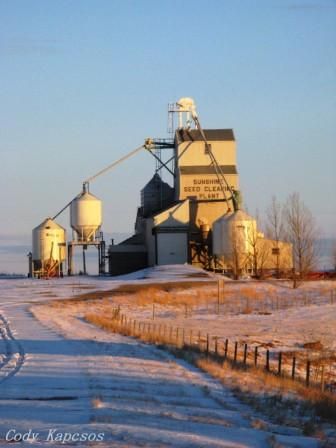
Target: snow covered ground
x=269, y=315
x=67, y=380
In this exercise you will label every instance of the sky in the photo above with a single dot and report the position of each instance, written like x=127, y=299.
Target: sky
x=84, y=82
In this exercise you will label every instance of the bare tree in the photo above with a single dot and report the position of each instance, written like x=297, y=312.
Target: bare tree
x=252, y=240
x=275, y=229
x=258, y=249
x=264, y=254
x=237, y=257
x=301, y=231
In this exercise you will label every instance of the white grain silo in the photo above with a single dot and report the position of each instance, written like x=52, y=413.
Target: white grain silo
x=86, y=216
x=49, y=248
x=234, y=234
x=217, y=237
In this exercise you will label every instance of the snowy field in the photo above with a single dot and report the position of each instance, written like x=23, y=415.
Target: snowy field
x=268, y=315
x=65, y=382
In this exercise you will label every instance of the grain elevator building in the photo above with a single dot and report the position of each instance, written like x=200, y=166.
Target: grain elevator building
x=174, y=223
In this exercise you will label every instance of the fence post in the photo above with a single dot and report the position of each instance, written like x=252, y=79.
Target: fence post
x=256, y=356
x=170, y=334
x=267, y=360
x=183, y=337
x=322, y=378
x=226, y=348
x=190, y=338
x=293, y=368
x=207, y=343
x=235, y=352
x=177, y=336
x=245, y=353
x=216, y=345
x=153, y=314
x=279, y=363
x=199, y=341
x=308, y=373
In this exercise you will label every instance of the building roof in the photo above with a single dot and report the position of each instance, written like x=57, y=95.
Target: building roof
x=136, y=240
x=183, y=135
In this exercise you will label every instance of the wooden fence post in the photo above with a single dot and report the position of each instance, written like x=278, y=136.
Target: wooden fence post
x=293, y=368
x=190, y=338
x=199, y=341
x=226, y=348
x=235, y=352
x=245, y=353
x=279, y=363
x=308, y=373
x=207, y=343
x=256, y=356
x=267, y=360
x=218, y=296
x=216, y=345
x=322, y=378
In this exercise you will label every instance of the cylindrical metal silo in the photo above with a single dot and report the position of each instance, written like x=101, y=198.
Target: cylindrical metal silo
x=234, y=232
x=217, y=237
x=49, y=246
x=86, y=216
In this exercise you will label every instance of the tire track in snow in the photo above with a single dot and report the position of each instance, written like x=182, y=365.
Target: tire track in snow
x=14, y=356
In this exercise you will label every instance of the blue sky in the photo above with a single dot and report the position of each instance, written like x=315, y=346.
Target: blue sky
x=84, y=82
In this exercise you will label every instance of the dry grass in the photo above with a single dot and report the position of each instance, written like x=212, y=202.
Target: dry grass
x=175, y=292
x=254, y=382
x=261, y=382
x=177, y=297
x=188, y=295
x=316, y=345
